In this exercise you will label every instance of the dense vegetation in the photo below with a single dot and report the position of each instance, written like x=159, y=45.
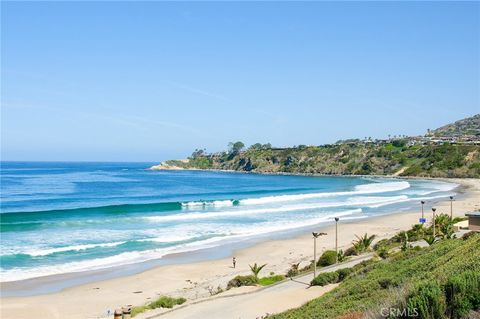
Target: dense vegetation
x=441, y=281
x=348, y=159
x=402, y=156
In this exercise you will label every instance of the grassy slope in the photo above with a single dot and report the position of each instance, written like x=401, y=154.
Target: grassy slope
x=385, y=283
x=359, y=159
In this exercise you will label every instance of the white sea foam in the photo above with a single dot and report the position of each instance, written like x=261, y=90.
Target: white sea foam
x=49, y=251
x=444, y=187
x=381, y=187
x=352, y=201
x=216, y=203
x=360, y=189
x=141, y=256
x=167, y=238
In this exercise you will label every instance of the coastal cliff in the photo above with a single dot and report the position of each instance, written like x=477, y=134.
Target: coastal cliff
x=437, y=154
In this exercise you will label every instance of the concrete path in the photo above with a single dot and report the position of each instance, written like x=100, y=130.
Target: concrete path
x=254, y=304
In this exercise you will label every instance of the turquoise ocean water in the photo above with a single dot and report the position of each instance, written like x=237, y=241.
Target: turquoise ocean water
x=59, y=218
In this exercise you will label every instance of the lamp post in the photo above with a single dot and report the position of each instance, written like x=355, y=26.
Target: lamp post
x=336, y=239
x=315, y=236
x=433, y=210
x=423, y=203
x=451, y=207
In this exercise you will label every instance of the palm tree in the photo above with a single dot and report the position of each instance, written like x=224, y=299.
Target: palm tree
x=363, y=243
x=444, y=224
x=256, y=269
x=417, y=228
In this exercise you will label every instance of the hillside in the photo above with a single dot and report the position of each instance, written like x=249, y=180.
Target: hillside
x=442, y=156
x=468, y=126
x=441, y=281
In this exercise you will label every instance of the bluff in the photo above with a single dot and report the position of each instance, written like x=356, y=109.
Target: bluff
x=450, y=151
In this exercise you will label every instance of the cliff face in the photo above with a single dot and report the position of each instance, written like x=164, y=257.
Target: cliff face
x=408, y=156
x=431, y=160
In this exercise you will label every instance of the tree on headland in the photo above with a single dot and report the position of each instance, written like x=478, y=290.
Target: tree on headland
x=198, y=153
x=256, y=146
x=259, y=146
x=235, y=148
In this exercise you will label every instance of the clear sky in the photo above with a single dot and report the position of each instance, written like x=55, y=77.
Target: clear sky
x=148, y=81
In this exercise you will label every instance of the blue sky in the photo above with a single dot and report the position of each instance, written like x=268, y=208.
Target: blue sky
x=126, y=81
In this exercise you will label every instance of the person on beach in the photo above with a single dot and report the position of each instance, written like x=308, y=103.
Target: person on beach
x=234, y=261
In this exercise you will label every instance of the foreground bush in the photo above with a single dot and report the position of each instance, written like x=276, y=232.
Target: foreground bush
x=162, y=302
x=325, y=278
x=239, y=281
x=329, y=257
x=427, y=301
x=332, y=277
x=462, y=293
x=343, y=273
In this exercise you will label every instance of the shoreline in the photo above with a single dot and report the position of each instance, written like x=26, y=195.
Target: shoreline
x=192, y=279
x=52, y=283
x=178, y=168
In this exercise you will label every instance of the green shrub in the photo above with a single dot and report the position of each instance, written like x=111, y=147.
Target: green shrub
x=427, y=300
x=325, y=278
x=469, y=235
x=265, y=281
x=341, y=257
x=162, y=302
x=329, y=257
x=365, y=265
x=388, y=282
x=350, y=251
x=166, y=302
x=383, y=252
x=239, y=281
x=462, y=294
x=381, y=243
x=343, y=273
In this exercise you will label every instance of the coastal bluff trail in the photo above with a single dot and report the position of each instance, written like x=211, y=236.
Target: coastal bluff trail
x=271, y=299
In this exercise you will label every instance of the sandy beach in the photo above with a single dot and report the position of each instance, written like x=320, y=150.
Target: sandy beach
x=194, y=280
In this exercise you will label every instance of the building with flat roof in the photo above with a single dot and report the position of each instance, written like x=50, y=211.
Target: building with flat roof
x=473, y=221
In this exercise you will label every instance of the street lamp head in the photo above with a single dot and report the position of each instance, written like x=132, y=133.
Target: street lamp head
x=316, y=235
x=451, y=197
x=422, y=202
x=337, y=219
x=434, y=209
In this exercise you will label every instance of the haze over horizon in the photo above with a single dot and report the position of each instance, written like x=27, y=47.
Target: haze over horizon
x=100, y=81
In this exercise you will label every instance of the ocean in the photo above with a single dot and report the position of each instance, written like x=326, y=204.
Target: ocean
x=60, y=218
